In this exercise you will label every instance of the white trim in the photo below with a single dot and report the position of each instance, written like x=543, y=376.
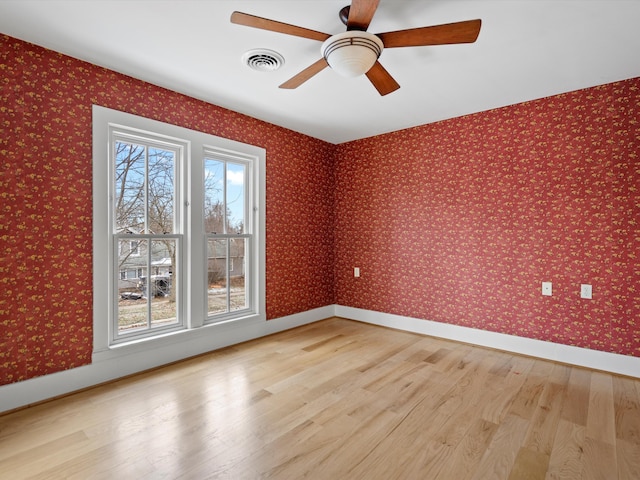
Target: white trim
x=582, y=357
x=195, y=145
x=107, y=367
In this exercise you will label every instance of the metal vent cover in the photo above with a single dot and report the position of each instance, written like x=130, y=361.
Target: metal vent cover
x=263, y=60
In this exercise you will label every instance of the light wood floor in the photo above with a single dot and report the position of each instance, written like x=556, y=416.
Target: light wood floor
x=337, y=400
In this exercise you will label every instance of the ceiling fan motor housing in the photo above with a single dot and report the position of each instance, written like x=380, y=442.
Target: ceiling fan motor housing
x=352, y=53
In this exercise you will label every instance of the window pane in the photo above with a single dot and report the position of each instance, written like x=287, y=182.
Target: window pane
x=161, y=192
x=148, y=301
x=129, y=187
x=217, y=276
x=144, y=189
x=163, y=288
x=214, y=207
x=132, y=301
x=235, y=197
x=238, y=293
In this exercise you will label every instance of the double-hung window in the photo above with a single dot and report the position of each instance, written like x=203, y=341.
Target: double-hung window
x=184, y=211
x=148, y=232
x=228, y=238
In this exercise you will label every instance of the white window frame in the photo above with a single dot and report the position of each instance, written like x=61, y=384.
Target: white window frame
x=180, y=148
x=194, y=256
x=220, y=155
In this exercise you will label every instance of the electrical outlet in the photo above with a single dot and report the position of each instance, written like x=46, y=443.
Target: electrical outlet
x=547, y=289
x=586, y=291
x=356, y=271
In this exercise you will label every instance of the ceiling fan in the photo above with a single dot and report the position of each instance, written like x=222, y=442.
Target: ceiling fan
x=356, y=51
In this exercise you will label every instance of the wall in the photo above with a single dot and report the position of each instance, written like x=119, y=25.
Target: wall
x=457, y=222
x=45, y=195
x=460, y=221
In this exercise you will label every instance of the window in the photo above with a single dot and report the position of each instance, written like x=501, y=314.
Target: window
x=144, y=171
x=131, y=249
x=183, y=227
x=131, y=274
x=228, y=241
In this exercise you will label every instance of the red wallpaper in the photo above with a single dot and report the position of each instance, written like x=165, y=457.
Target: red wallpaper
x=45, y=202
x=457, y=222
x=462, y=220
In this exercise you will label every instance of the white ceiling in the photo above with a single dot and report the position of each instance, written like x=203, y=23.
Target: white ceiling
x=527, y=49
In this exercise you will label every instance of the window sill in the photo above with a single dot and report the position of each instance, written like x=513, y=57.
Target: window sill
x=202, y=339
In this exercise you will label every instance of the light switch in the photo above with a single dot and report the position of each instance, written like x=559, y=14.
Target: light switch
x=585, y=291
x=547, y=289
x=356, y=271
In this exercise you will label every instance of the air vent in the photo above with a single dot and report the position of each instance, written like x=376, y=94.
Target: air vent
x=263, y=60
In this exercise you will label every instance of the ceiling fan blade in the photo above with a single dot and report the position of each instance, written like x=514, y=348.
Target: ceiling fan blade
x=381, y=79
x=274, y=26
x=360, y=14
x=447, y=34
x=306, y=74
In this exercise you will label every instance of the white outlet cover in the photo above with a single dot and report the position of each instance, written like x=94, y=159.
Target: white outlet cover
x=586, y=291
x=547, y=289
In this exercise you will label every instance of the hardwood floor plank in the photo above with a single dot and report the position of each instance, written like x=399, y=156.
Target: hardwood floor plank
x=501, y=392
x=430, y=460
x=386, y=374
x=576, y=404
x=337, y=399
x=502, y=367
x=601, y=417
x=289, y=458
x=469, y=452
x=626, y=400
x=529, y=465
x=20, y=456
x=542, y=428
x=437, y=356
x=395, y=454
x=371, y=431
x=628, y=455
x=600, y=460
x=500, y=455
x=527, y=398
x=464, y=397
x=388, y=351
x=333, y=340
x=567, y=461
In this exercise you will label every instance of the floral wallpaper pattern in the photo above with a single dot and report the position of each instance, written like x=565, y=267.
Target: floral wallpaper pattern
x=462, y=220
x=46, y=198
x=457, y=222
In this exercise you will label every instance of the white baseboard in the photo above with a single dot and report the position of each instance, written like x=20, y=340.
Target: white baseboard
x=105, y=367
x=583, y=357
x=27, y=392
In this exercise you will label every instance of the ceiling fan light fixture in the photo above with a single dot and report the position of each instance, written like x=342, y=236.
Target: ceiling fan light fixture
x=352, y=53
